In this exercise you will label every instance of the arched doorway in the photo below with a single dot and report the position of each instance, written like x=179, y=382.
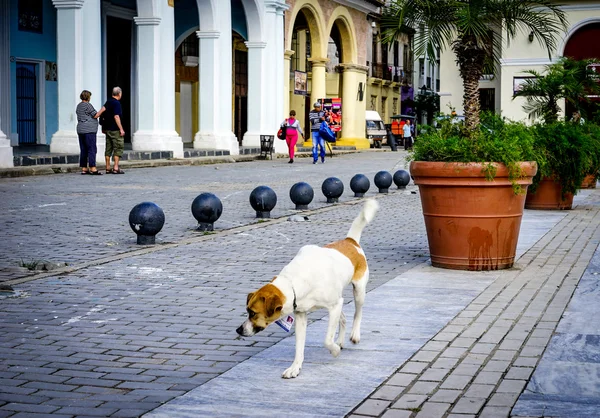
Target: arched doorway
x=306, y=56
x=119, y=57
x=352, y=78
x=583, y=44
x=186, y=86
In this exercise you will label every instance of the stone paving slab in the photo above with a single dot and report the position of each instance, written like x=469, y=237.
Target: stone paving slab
x=566, y=383
x=480, y=363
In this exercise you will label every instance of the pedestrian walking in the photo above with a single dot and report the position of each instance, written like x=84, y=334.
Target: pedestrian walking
x=408, y=142
x=292, y=131
x=115, y=134
x=87, y=128
x=316, y=116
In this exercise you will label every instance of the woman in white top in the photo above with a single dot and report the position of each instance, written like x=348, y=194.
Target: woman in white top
x=291, y=133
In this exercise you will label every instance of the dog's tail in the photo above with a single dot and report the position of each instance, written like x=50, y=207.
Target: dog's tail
x=365, y=217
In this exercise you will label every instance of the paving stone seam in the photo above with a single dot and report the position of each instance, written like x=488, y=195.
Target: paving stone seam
x=551, y=241
x=186, y=241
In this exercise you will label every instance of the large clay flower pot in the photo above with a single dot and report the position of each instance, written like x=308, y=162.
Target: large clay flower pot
x=472, y=223
x=589, y=182
x=548, y=196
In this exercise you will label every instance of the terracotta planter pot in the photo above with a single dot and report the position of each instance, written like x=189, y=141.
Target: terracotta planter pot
x=589, y=182
x=548, y=197
x=472, y=223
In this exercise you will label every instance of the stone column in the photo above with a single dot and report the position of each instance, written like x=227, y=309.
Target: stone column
x=258, y=109
x=92, y=65
x=215, y=84
x=319, y=80
x=274, y=92
x=6, y=151
x=353, y=110
x=287, y=65
x=156, y=84
x=69, y=51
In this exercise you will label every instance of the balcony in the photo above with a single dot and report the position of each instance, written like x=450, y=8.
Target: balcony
x=386, y=72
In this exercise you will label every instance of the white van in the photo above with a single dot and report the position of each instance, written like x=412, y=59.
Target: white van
x=375, y=129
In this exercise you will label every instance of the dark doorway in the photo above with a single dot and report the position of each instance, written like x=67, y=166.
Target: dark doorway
x=583, y=44
x=487, y=99
x=118, y=65
x=241, y=95
x=27, y=103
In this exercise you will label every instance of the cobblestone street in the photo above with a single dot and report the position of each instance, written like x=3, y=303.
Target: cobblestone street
x=72, y=218
x=124, y=330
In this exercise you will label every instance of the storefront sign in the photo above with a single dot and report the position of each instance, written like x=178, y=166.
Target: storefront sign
x=300, y=83
x=334, y=108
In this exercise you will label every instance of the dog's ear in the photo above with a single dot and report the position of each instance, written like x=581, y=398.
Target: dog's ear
x=249, y=297
x=273, y=305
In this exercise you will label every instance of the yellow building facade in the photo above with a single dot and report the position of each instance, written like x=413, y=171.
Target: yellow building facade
x=327, y=40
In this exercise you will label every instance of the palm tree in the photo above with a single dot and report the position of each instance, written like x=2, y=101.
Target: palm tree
x=567, y=79
x=473, y=28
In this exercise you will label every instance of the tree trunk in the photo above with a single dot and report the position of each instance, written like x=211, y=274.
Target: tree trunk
x=470, y=57
x=471, y=102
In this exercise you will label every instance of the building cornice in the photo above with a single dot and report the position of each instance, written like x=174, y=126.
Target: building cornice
x=276, y=5
x=255, y=45
x=525, y=62
x=355, y=68
x=68, y=4
x=208, y=34
x=147, y=21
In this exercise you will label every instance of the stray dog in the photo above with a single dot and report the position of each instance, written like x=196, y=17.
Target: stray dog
x=314, y=279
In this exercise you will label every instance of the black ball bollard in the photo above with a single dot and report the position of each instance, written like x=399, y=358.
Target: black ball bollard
x=302, y=194
x=383, y=180
x=360, y=185
x=207, y=208
x=263, y=199
x=332, y=188
x=401, y=178
x=146, y=220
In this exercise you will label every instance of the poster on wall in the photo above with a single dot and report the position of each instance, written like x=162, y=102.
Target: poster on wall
x=334, y=108
x=300, y=83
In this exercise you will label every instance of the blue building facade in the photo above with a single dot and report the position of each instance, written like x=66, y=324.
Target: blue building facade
x=50, y=50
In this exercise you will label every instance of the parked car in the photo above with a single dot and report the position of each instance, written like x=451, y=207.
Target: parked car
x=375, y=129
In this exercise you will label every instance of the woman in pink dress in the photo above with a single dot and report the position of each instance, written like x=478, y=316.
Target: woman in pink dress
x=292, y=131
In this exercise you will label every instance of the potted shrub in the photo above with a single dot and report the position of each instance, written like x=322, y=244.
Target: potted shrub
x=472, y=180
x=569, y=150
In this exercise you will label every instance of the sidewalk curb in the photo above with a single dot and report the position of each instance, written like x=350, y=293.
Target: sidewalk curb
x=44, y=170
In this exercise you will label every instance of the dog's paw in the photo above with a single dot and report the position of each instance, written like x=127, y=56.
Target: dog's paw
x=355, y=337
x=334, y=349
x=291, y=372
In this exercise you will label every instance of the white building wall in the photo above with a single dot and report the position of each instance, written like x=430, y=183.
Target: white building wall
x=518, y=56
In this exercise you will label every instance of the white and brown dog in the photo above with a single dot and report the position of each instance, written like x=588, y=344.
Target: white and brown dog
x=314, y=279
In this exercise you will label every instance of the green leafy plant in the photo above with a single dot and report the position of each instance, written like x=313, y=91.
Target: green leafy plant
x=566, y=79
x=496, y=140
x=30, y=265
x=570, y=152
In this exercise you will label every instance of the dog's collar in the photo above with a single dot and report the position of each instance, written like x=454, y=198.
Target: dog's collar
x=295, y=306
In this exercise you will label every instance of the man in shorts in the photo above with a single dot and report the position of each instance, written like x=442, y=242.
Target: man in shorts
x=113, y=128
